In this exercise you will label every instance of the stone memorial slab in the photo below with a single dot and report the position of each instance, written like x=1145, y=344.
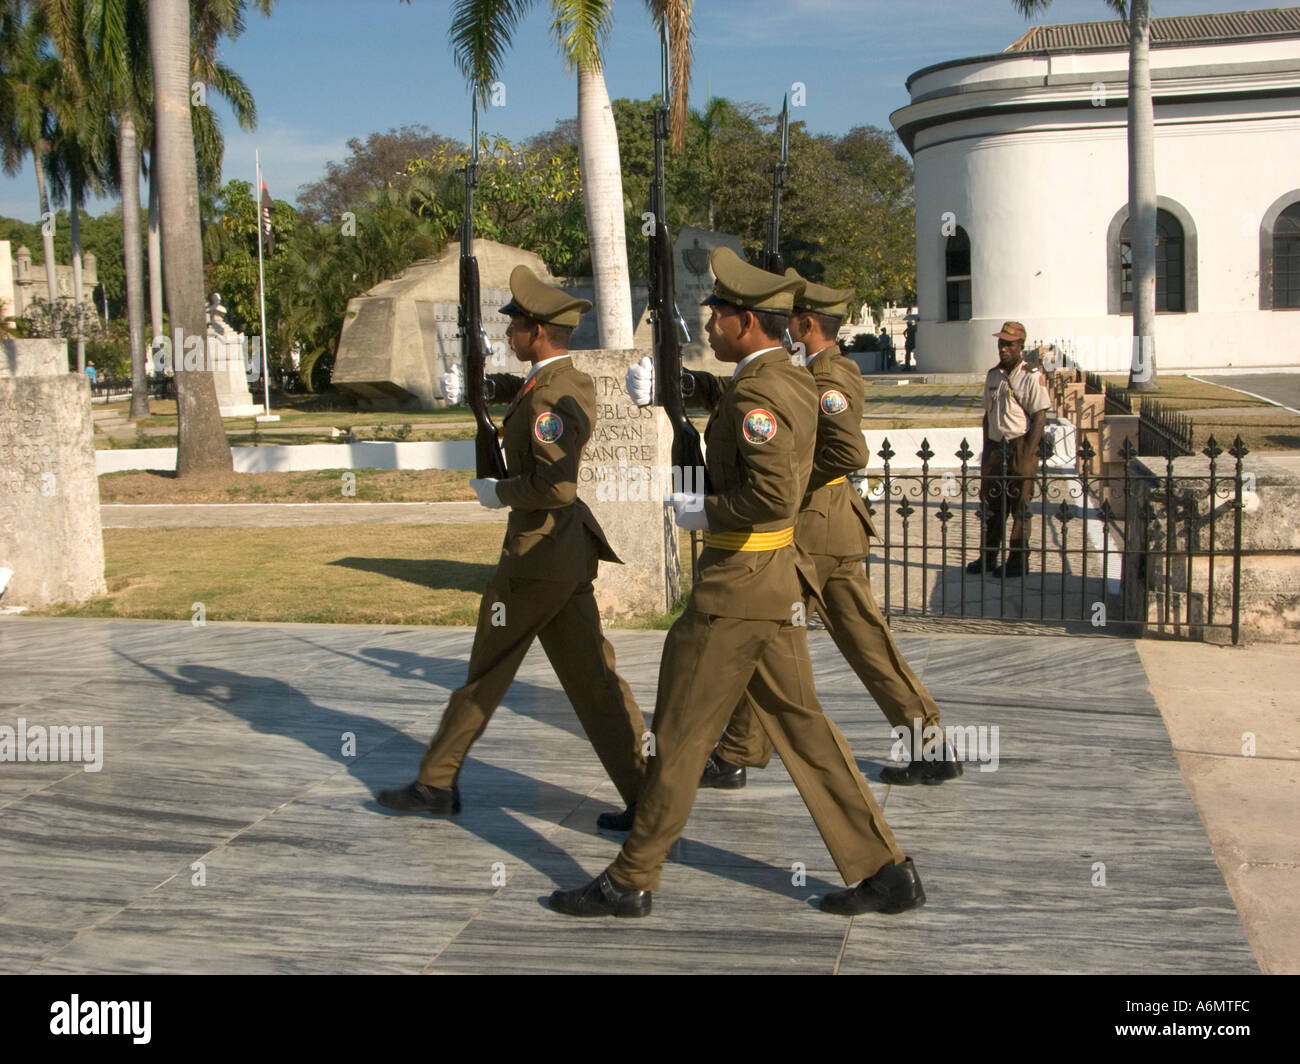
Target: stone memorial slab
x=625, y=473
x=401, y=336
x=49, y=496
x=694, y=280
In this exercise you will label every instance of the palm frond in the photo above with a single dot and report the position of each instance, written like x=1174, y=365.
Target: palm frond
x=479, y=36
x=580, y=29
x=677, y=14
x=234, y=90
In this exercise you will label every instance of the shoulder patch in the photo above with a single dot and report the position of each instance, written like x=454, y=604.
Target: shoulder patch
x=548, y=427
x=834, y=402
x=759, y=426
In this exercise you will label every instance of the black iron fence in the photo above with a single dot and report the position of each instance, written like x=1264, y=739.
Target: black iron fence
x=1164, y=432
x=1140, y=547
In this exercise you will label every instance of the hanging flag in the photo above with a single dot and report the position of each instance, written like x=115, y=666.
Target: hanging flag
x=267, y=235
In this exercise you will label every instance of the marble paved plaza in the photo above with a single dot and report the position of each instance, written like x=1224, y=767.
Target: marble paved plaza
x=253, y=751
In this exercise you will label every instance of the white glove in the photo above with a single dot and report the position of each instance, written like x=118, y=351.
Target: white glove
x=486, y=490
x=453, y=386
x=688, y=510
x=641, y=381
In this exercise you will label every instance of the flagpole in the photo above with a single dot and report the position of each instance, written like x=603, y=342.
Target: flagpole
x=261, y=287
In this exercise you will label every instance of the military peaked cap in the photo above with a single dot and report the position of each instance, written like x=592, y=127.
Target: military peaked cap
x=820, y=299
x=531, y=297
x=742, y=285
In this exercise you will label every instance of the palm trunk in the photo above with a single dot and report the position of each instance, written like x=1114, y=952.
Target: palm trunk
x=155, y=255
x=602, y=189
x=128, y=154
x=1142, y=198
x=77, y=301
x=202, y=446
x=47, y=230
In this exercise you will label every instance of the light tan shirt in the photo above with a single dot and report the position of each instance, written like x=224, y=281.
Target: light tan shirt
x=1010, y=400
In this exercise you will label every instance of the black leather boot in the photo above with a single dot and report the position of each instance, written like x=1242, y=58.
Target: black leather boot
x=602, y=897
x=894, y=889
x=722, y=774
x=617, y=821
x=420, y=798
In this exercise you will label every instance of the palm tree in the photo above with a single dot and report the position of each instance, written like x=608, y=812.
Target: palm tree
x=201, y=440
x=28, y=75
x=80, y=151
x=210, y=22
x=480, y=34
x=117, y=49
x=1141, y=183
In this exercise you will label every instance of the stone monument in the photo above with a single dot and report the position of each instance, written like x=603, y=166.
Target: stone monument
x=233, y=362
x=401, y=336
x=625, y=473
x=694, y=281
x=49, y=496
x=7, y=306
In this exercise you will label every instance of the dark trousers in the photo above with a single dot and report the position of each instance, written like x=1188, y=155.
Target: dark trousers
x=1004, y=495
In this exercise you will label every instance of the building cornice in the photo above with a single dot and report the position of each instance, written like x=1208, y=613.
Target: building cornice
x=1074, y=91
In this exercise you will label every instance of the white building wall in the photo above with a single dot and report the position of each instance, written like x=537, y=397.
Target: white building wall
x=1036, y=192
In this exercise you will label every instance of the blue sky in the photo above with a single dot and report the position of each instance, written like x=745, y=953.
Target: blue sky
x=324, y=71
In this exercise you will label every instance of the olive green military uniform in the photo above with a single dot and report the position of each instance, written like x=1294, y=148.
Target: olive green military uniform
x=835, y=528
x=542, y=587
x=736, y=633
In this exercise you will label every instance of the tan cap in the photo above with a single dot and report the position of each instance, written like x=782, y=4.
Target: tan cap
x=532, y=297
x=742, y=285
x=819, y=298
x=1011, y=330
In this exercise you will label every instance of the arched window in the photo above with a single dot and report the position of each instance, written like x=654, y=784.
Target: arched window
x=1279, y=256
x=956, y=268
x=1170, y=278
x=1286, y=258
x=1176, y=260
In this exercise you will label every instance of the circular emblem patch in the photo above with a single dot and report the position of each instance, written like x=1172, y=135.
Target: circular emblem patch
x=759, y=426
x=833, y=402
x=548, y=427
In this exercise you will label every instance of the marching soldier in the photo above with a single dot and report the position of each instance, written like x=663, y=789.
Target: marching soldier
x=835, y=528
x=542, y=587
x=1015, y=411
x=743, y=625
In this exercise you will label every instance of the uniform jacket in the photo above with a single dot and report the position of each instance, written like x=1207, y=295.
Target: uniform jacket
x=833, y=519
x=759, y=450
x=550, y=533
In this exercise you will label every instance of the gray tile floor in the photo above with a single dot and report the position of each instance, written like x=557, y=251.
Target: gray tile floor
x=224, y=747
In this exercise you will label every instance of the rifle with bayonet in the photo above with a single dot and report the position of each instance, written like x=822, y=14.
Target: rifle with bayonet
x=474, y=345
x=772, y=260
x=669, y=327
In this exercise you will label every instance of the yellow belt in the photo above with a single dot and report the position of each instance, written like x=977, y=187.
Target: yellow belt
x=749, y=540
x=837, y=480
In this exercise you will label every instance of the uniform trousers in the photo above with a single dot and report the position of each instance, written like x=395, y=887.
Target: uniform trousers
x=565, y=618
x=858, y=627
x=1004, y=494
x=708, y=662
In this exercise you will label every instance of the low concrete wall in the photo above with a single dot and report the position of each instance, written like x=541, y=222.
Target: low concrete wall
x=1270, y=551
x=49, y=499
x=448, y=454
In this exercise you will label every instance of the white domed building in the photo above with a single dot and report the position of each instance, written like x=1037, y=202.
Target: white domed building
x=1021, y=164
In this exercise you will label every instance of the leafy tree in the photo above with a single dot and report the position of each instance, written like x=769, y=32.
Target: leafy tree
x=527, y=197
x=373, y=164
